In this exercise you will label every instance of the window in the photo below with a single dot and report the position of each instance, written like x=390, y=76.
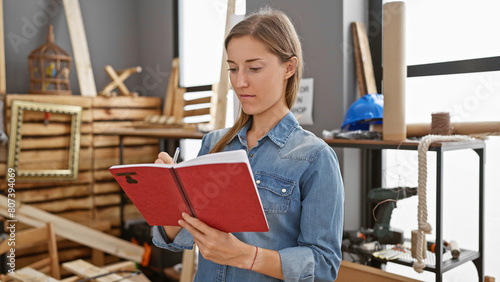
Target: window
x=461, y=38
x=200, y=47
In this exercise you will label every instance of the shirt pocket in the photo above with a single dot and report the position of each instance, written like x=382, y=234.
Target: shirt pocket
x=275, y=192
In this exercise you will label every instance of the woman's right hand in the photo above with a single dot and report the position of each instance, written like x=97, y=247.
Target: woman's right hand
x=171, y=231
x=164, y=158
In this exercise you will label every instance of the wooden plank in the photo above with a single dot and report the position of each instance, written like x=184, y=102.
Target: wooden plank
x=2, y=53
x=107, y=200
x=118, y=266
x=363, y=59
x=30, y=274
x=112, y=213
x=75, y=232
x=53, y=142
x=83, y=177
x=197, y=112
x=31, y=116
x=80, y=48
x=40, y=129
x=126, y=102
x=99, y=127
x=73, y=100
x=109, y=141
x=173, y=84
x=350, y=271
x=53, y=193
x=123, y=114
x=219, y=100
x=129, y=152
x=50, y=157
x=106, y=187
x=188, y=267
x=86, y=270
x=65, y=205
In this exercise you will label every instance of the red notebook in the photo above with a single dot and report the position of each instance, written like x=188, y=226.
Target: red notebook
x=218, y=188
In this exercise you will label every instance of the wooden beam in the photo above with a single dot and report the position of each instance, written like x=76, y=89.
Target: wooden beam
x=363, y=59
x=75, y=232
x=86, y=270
x=80, y=48
x=30, y=274
x=219, y=99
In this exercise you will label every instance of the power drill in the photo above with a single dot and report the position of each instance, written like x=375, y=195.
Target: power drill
x=387, y=197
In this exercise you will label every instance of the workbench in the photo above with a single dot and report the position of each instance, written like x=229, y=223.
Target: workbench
x=371, y=177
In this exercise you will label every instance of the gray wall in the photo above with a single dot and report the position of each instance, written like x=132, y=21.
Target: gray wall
x=325, y=29
x=120, y=33
x=126, y=33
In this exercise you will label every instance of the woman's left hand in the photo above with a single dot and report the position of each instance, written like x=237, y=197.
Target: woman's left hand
x=218, y=246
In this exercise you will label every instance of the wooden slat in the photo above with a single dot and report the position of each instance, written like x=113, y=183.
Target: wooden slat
x=203, y=100
x=129, y=152
x=105, y=164
x=123, y=114
x=80, y=216
x=106, y=187
x=104, y=126
x=80, y=48
x=65, y=205
x=112, y=213
x=363, y=59
x=107, y=200
x=86, y=270
x=197, y=112
x=126, y=102
x=50, y=156
x=350, y=271
x=74, y=100
x=40, y=129
x=30, y=274
x=52, y=142
x=83, y=177
x=53, y=193
x=109, y=140
x=31, y=116
x=75, y=232
x=219, y=100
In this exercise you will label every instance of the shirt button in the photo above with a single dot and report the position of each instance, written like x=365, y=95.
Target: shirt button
x=283, y=190
x=258, y=181
x=251, y=155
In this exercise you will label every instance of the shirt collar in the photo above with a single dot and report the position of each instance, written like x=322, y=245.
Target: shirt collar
x=279, y=134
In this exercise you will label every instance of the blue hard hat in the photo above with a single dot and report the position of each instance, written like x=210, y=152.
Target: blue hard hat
x=367, y=110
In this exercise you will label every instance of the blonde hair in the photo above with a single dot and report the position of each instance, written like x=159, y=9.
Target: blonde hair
x=276, y=31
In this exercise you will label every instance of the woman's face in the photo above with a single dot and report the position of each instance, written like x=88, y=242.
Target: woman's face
x=257, y=76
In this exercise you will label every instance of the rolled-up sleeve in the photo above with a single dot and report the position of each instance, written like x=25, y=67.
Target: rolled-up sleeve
x=183, y=240
x=318, y=256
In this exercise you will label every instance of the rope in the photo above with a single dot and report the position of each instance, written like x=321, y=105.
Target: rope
x=423, y=226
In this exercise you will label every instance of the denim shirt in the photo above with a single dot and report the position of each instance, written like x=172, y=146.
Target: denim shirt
x=301, y=190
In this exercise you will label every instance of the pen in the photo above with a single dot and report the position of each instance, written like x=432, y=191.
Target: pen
x=176, y=155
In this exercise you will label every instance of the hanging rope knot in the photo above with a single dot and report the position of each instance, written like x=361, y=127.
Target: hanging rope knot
x=426, y=227
x=419, y=266
x=423, y=226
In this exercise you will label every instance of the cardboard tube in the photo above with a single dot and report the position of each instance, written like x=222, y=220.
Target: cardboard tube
x=394, y=71
x=462, y=128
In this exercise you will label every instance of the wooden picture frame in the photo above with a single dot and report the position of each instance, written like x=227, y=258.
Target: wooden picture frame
x=15, y=139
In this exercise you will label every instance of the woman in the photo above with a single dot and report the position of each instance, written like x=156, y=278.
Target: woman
x=297, y=174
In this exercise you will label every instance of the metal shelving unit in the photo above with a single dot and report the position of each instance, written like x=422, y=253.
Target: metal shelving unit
x=371, y=173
